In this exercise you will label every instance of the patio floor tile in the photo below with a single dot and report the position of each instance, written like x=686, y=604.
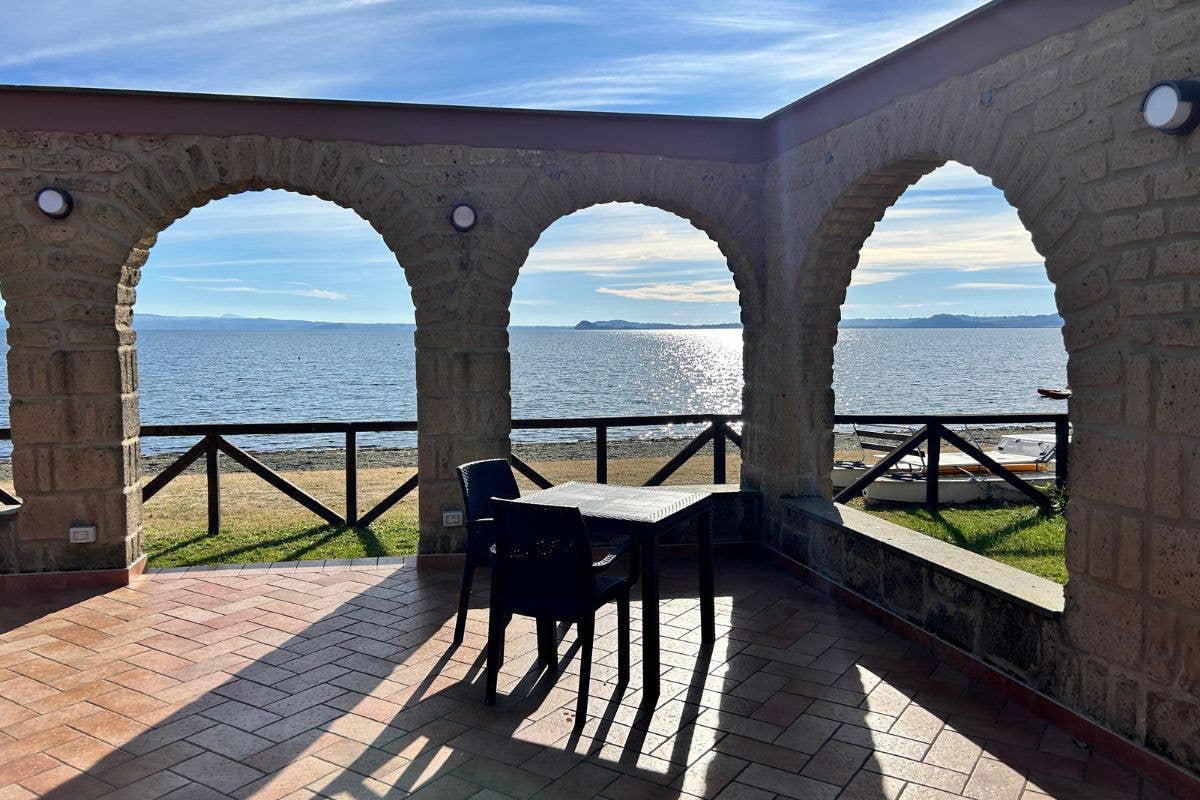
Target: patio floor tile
x=339, y=680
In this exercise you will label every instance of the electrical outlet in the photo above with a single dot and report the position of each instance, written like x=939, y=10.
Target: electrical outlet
x=452, y=519
x=82, y=534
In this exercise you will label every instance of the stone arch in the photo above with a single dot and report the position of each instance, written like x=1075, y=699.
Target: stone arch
x=188, y=175
x=722, y=201
x=1045, y=202
x=76, y=446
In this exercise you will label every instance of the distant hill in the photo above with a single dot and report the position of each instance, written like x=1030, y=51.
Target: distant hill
x=626, y=325
x=960, y=321
x=936, y=321
x=231, y=322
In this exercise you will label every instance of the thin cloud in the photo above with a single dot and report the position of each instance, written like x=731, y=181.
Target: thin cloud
x=865, y=276
x=804, y=47
x=320, y=294
x=619, y=238
x=715, y=291
x=203, y=280
x=998, y=286
x=951, y=220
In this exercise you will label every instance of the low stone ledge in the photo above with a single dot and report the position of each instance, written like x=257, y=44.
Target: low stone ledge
x=22, y=582
x=1001, y=614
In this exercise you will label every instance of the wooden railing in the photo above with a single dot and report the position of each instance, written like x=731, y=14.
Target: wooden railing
x=213, y=443
x=932, y=431
x=717, y=429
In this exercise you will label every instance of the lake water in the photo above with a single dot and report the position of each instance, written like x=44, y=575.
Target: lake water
x=292, y=376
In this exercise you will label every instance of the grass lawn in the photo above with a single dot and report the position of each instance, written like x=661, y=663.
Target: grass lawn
x=258, y=524
x=1014, y=534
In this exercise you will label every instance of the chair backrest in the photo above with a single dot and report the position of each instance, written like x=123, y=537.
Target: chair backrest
x=543, y=560
x=483, y=480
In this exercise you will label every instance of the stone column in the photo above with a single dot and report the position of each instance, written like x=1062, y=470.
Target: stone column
x=463, y=406
x=72, y=373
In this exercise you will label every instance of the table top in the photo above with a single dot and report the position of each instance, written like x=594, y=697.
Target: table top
x=629, y=504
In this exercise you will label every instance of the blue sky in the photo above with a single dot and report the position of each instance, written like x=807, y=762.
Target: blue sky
x=951, y=245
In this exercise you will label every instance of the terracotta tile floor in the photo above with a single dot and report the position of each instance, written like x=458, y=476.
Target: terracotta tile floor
x=340, y=681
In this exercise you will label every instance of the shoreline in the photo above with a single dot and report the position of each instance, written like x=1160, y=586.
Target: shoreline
x=304, y=459
x=333, y=458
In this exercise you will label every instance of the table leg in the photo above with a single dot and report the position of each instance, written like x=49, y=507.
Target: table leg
x=708, y=613
x=651, y=657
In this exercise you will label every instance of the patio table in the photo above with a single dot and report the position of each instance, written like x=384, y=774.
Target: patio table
x=645, y=514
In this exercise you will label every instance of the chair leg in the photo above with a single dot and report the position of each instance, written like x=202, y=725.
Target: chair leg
x=464, y=600
x=623, y=639
x=495, y=653
x=547, y=644
x=587, y=636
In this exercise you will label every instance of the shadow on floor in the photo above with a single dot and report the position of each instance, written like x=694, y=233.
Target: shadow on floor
x=344, y=683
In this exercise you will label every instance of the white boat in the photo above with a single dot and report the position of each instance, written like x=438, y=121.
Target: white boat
x=961, y=479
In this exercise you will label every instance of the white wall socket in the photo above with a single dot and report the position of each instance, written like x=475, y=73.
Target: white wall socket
x=452, y=519
x=82, y=534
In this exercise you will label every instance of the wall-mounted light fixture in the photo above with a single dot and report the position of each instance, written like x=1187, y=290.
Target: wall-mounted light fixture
x=1172, y=106
x=462, y=217
x=55, y=203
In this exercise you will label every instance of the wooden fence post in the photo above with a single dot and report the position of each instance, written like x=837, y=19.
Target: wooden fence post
x=212, y=468
x=601, y=454
x=351, y=478
x=1062, y=451
x=718, y=425
x=932, y=463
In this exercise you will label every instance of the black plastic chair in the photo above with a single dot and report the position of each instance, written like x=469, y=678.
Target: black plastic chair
x=480, y=481
x=543, y=569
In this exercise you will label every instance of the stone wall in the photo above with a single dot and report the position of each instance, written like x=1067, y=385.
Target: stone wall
x=1005, y=617
x=1112, y=207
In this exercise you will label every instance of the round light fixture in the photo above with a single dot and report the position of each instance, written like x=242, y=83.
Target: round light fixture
x=463, y=217
x=1172, y=106
x=55, y=203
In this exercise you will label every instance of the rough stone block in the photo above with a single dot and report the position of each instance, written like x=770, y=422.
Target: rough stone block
x=1093, y=675
x=1092, y=457
x=1175, y=30
x=1142, y=150
x=1118, y=194
x=1010, y=635
x=1178, y=388
x=1104, y=622
x=1057, y=111
x=1119, y=230
x=1171, y=725
x=1102, y=545
x=1153, y=298
x=1178, y=258
x=1115, y=22
x=955, y=624
x=1162, y=645
x=1114, y=87
x=1166, y=498
x=1174, y=573
x=1129, y=552
x=903, y=585
x=1190, y=651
